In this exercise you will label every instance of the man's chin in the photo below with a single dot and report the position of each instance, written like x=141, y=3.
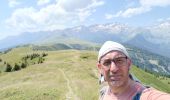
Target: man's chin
x=115, y=83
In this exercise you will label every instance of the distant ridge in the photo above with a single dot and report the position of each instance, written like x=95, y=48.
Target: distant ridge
x=99, y=33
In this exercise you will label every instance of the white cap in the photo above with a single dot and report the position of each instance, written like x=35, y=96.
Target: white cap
x=111, y=46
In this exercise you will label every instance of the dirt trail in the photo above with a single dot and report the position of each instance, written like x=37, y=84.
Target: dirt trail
x=69, y=95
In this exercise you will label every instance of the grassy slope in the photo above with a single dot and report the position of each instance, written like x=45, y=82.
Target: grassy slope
x=60, y=77
x=151, y=80
x=65, y=74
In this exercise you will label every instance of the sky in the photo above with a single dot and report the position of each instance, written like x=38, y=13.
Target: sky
x=19, y=16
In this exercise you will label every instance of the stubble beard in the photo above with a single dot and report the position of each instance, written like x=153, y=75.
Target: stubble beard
x=116, y=83
x=116, y=80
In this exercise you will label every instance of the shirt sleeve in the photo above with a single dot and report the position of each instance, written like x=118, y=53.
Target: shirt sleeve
x=153, y=94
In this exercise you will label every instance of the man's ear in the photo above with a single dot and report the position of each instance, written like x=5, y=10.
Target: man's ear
x=99, y=67
x=129, y=63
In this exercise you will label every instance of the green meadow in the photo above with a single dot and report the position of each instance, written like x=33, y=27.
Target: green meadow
x=64, y=75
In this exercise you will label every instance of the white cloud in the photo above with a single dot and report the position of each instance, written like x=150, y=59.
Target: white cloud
x=151, y=3
x=161, y=30
x=82, y=8
x=60, y=15
x=42, y=2
x=79, y=5
x=133, y=11
x=13, y=3
x=145, y=6
x=30, y=19
x=109, y=16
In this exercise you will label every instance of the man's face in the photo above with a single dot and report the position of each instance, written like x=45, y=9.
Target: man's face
x=115, y=68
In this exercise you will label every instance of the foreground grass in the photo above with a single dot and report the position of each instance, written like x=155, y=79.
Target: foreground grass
x=35, y=82
x=65, y=75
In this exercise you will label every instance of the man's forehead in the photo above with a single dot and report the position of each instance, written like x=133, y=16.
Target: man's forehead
x=113, y=54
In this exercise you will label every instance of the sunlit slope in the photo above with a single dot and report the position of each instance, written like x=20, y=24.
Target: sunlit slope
x=15, y=54
x=151, y=80
x=65, y=74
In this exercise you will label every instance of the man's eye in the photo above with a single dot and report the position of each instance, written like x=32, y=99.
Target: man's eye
x=119, y=60
x=106, y=62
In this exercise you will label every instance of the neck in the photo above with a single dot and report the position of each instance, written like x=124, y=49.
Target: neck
x=123, y=88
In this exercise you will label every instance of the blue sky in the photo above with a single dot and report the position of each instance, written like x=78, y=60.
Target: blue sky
x=18, y=16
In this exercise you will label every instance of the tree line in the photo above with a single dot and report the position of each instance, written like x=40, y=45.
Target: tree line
x=30, y=59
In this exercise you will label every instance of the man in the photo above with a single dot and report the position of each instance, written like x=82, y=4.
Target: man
x=114, y=64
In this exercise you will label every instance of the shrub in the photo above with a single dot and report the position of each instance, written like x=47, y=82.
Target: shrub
x=8, y=68
x=23, y=65
x=40, y=60
x=16, y=67
x=44, y=54
x=0, y=60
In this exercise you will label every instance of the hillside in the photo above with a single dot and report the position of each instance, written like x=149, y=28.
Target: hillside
x=65, y=74
x=144, y=59
x=149, y=61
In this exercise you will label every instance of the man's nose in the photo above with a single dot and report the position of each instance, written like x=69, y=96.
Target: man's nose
x=113, y=67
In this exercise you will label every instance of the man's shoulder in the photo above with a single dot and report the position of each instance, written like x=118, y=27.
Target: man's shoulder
x=154, y=94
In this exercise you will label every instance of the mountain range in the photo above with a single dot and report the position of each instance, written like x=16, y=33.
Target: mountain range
x=143, y=38
x=140, y=40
